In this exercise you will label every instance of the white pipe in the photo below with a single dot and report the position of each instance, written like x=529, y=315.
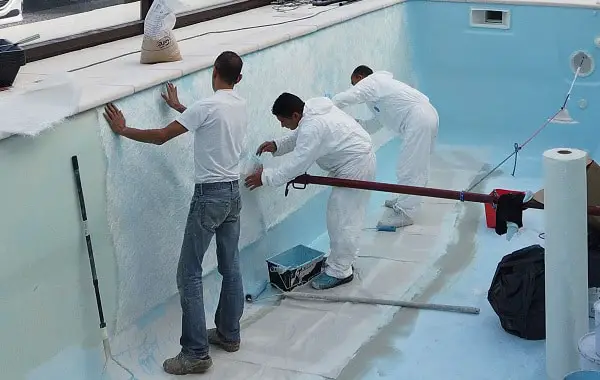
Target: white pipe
x=565, y=214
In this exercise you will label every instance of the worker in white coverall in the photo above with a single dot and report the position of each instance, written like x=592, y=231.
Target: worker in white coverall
x=408, y=112
x=324, y=134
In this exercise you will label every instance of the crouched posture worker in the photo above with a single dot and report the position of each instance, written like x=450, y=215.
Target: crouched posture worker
x=219, y=126
x=324, y=134
x=407, y=112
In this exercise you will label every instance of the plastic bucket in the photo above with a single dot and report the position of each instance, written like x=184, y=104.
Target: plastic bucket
x=588, y=359
x=583, y=375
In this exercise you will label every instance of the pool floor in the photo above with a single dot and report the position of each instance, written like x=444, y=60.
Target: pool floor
x=448, y=256
x=433, y=345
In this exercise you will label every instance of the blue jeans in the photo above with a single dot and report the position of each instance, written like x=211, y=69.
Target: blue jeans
x=214, y=210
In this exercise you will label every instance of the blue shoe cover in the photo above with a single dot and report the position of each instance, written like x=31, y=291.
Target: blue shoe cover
x=324, y=281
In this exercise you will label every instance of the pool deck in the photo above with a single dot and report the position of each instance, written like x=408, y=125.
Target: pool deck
x=448, y=256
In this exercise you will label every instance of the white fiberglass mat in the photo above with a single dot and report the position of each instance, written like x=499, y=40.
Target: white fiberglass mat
x=310, y=340
x=39, y=106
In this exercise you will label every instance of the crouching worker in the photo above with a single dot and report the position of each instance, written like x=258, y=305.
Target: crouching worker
x=407, y=112
x=324, y=134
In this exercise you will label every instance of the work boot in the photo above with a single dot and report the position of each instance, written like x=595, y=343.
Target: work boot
x=183, y=365
x=214, y=338
x=324, y=281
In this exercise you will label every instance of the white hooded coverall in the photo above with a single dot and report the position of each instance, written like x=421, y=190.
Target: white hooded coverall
x=338, y=144
x=408, y=112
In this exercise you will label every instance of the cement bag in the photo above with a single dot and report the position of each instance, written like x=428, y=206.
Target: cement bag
x=159, y=44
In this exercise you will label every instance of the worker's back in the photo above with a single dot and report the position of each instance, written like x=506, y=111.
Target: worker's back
x=393, y=100
x=343, y=141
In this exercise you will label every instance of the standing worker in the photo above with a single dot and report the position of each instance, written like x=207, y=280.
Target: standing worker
x=219, y=125
x=408, y=112
x=324, y=134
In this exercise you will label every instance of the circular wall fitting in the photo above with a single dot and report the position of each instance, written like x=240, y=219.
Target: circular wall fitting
x=587, y=65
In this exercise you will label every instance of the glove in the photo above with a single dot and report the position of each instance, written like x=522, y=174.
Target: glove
x=509, y=213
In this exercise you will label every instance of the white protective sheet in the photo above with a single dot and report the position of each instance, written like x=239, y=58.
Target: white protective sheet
x=39, y=106
x=311, y=340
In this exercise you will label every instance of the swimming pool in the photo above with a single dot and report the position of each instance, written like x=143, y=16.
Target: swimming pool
x=492, y=87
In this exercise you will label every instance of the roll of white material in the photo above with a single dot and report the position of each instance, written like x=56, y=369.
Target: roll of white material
x=597, y=325
x=565, y=214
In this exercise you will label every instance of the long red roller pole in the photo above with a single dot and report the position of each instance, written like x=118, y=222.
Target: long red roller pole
x=307, y=179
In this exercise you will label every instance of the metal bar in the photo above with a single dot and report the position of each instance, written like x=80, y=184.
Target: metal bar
x=306, y=179
x=378, y=301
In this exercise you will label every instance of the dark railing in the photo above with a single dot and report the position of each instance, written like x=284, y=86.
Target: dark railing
x=47, y=49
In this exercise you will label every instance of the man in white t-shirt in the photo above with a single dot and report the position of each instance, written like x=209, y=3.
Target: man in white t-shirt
x=219, y=125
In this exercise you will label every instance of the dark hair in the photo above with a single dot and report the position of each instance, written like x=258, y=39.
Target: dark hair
x=363, y=71
x=228, y=66
x=286, y=104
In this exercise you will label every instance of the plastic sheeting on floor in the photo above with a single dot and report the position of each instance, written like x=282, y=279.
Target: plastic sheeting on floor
x=315, y=340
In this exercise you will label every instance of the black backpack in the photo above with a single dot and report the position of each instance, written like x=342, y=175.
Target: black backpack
x=517, y=293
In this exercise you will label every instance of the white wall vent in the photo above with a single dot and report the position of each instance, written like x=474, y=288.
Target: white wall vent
x=490, y=18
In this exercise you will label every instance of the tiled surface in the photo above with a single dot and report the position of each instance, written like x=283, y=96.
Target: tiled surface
x=92, y=94
x=130, y=73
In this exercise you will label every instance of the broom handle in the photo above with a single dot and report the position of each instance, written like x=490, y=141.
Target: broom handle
x=88, y=240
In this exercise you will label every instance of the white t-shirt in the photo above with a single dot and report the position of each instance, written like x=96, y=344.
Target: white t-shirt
x=219, y=126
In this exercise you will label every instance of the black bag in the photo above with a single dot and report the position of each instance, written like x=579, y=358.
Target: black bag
x=517, y=293
x=593, y=257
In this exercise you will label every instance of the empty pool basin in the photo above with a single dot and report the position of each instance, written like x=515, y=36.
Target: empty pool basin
x=583, y=375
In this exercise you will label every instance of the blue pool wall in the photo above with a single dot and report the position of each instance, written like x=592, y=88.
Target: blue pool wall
x=496, y=87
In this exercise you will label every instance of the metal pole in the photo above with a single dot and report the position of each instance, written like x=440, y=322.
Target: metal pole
x=376, y=301
x=306, y=179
